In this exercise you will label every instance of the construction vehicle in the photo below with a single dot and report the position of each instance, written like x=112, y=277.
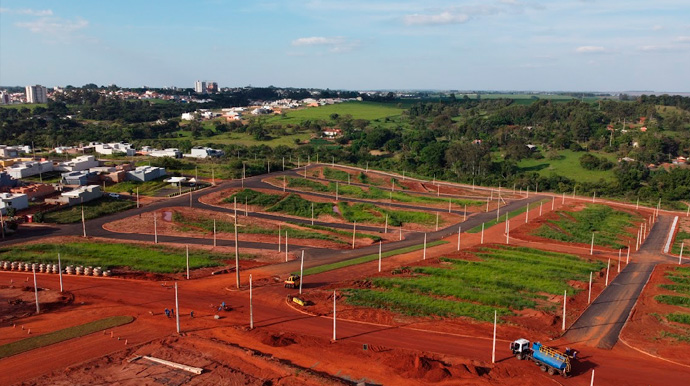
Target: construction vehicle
x=292, y=281
x=548, y=359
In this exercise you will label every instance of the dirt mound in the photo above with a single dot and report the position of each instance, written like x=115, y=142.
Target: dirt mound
x=279, y=340
x=18, y=302
x=431, y=370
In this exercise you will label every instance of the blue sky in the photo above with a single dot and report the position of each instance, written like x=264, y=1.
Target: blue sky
x=573, y=45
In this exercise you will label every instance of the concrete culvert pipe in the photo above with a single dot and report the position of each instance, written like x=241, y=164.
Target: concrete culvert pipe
x=88, y=271
x=41, y=268
x=79, y=270
x=107, y=273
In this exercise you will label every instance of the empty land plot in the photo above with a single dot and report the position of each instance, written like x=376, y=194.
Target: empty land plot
x=609, y=225
x=474, y=289
x=373, y=193
x=92, y=209
x=153, y=258
x=358, y=110
x=568, y=164
x=676, y=323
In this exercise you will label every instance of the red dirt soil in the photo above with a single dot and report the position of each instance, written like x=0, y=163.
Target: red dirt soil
x=647, y=321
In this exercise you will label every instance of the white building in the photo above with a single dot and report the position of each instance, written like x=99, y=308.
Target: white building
x=4, y=98
x=77, y=196
x=204, y=152
x=114, y=148
x=77, y=164
x=200, y=87
x=145, y=173
x=188, y=116
x=29, y=168
x=36, y=94
x=11, y=200
x=10, y=151
x=172, y=152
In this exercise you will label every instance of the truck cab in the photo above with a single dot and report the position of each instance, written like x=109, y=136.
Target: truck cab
x=520, y=348
x=292, y=281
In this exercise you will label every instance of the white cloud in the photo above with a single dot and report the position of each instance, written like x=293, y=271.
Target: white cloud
x=683, y=39
x=27, y=11
x=334, y=44
x=590, y=50
x=657, y=28
x=652, y=48
x=437, y=19
x=54, y=26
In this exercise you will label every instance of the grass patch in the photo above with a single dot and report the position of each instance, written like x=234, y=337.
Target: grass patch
x=678, y=337
x=295, y=205
x=148, y=188
x=577, y=227
x=39, y=341
x=370, y=213
x=476, y=288
x=568, y=164
x=335, y=174
x=153, y=258
x=253, y=197
x=358, y=110
x=673, y=300
x=502, y=218
x=678, y=317
x=92, y=209
x=229, y=227
x=339, y=231
x=367, y=258
x=681, y=237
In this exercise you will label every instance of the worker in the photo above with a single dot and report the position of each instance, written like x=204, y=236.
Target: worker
x=167, y=312
x=191, y=314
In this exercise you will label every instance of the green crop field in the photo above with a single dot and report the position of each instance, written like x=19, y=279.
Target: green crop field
x=568, y=165
x=153, y=258
x=475, y=289
x=680, y=276
x=358, y=110
x=608, y=224
x=58, y=336
x=92, y=209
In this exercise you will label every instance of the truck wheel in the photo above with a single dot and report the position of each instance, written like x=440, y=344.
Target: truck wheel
x=552, y=371
x=543, y=368
x=518, y=356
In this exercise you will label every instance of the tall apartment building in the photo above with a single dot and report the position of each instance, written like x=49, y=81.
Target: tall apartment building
x=4, y=98
x=36, y=94
x=212, y=87
x=200, y=87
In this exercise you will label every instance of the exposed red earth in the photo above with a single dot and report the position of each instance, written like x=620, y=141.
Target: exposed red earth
x=290, y=345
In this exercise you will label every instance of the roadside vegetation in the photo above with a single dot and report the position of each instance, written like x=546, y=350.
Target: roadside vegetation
x=137, y=257
x=511, y=214
x=474, y=289
x=681, y=237
x=609, y=225
x=92, y=209
x=28, y=344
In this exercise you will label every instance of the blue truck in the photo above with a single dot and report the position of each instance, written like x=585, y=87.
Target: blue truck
x=548, y=359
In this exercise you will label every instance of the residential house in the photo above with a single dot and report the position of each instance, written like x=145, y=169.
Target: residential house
x=114, y=148
x=204, y=152
x=12, y=200
x=145, y=173
x=77, y=196
x=9, y=151
x=29, y=168
x=172, y=152
x=34, y=191
x=80, y=178
x=80, y=163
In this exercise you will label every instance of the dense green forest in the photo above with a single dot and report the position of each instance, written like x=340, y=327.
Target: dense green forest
x=457, y=139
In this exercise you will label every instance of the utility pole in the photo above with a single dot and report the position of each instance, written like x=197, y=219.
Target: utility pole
x=137, y=197
x=38, y=310
x=482, y=239
x=379, y=255
x=591, y=248
x=493, y=349
x=424, y=258
x=237, y=260
x=354, y=228
x=187, y=247
x=459, y=231
x=214, y=232
x=565, y=294
x=60, y=272
x=251, y=305
x=334, y=316
x=177, y=310
x=155, y=229
x=608, y=264
x=83, y=221
x=301, y=273
x=286, y=246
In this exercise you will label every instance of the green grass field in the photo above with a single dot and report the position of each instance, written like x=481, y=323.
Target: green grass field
x=58, y=336
x=247, y=139
x=92, y=209
x=147, y=258
x=148, y=188
x=608, y=224
x=680, y=276
x=568, y=165
x=475, y=289
x=358, y=110
x=681, y=237
x=367, y=258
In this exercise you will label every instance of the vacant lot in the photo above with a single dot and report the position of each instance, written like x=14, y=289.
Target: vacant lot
x=568, y=164
x=611, y=227
x=153, y=258
x=677, y=323
x=358, y=110
x=92, y=209
x=474, y=289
